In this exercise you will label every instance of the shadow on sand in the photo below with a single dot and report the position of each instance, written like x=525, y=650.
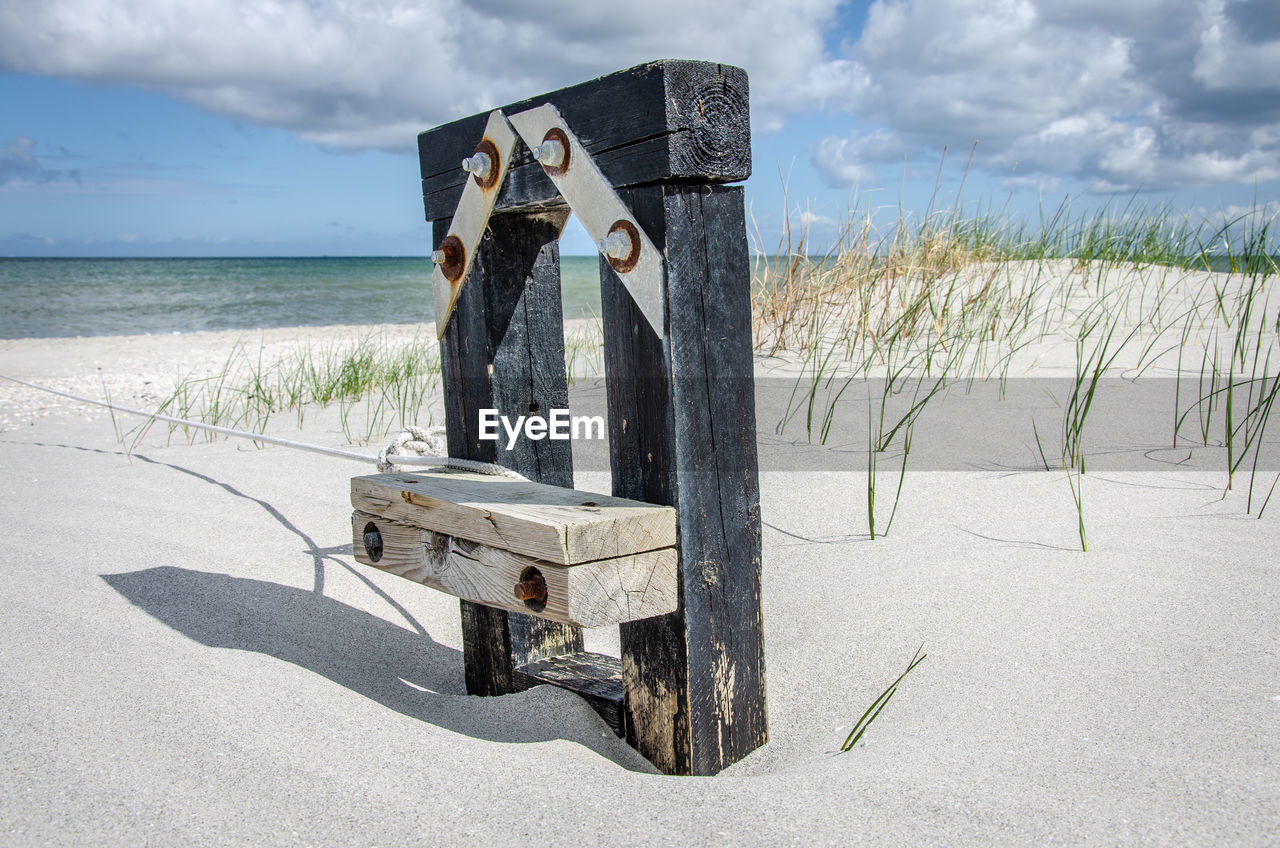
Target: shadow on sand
x=397, y=668
x=401, y=669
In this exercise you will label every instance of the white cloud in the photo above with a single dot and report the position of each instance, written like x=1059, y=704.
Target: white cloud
x=1253, y=217
x=852, y=161
x=1122, y=96
x=808, y=218
x=1228, y=60
x=1038, y=185
x=1234, y=227
x=1117, y=94
x=375, y=72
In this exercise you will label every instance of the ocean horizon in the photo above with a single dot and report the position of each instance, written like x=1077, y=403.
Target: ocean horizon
x=113, y=296
x=71, y=297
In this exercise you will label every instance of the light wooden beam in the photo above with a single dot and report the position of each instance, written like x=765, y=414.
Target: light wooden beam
x=589, y=594
x=550, y=523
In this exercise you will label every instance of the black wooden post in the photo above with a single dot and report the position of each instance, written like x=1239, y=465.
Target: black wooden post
x=682, y=432
x=504, y=350
x=689, y=690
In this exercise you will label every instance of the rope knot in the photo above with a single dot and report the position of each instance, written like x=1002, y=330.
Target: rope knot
x=412, y=441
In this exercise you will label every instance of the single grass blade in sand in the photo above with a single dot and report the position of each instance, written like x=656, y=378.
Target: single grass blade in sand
x=878, y=705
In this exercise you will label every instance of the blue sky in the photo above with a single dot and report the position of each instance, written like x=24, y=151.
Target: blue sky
x=286, y=127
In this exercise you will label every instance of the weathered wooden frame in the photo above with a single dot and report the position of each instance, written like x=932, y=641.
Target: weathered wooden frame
x=689, y=689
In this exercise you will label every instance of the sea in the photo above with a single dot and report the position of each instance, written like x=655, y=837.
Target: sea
x=66, y=298
x=63, y=298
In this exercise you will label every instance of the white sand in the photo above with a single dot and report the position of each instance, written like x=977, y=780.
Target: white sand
x=141, y=371
x=191, y=656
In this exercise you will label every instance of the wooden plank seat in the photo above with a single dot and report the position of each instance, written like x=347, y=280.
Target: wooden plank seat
x=574, y=557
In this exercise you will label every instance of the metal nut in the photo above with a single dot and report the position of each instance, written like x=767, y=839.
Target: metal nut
x=554, y=147
x=616, y=245
x=550, y=153
x=484, y=164
x=621, y=247
x=478, y=165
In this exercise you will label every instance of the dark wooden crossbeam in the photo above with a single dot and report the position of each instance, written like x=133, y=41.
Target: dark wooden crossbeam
x=667, y=121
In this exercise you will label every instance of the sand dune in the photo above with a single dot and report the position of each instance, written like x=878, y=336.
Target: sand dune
x=191, y=654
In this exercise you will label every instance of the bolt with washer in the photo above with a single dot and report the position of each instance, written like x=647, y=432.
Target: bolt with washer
x=480, y=165
x=616, y=245
x=549, y=153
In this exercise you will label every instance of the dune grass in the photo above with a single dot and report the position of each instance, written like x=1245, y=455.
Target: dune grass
x=377, y=385
x=918, y=305
x=877, y=706
x=950, y=297
x=389, y=383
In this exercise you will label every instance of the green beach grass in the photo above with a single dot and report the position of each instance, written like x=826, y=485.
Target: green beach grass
x=953, y=298
x=919, y=305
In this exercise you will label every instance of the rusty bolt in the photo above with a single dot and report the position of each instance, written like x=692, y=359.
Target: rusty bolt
x=451, y=258
x=550, y=153
x=622, y=246
x=533, y=590
x=483, y=164
x=555, y=149
x=616, y=245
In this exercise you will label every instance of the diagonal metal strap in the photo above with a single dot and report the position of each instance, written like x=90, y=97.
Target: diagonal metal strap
x=617, y=234
x=603, y=214
x=454, y=256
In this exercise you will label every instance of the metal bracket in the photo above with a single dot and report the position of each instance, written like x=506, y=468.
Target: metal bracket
x=579, y=180
x=487, y=167
x=602, y=213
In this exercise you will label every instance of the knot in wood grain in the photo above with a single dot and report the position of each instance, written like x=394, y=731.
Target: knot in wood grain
x=710, y=573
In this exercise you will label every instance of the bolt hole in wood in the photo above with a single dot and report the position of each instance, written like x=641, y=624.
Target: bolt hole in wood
x=532, y=589
x=373, y=541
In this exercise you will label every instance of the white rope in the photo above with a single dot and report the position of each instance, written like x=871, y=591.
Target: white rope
x=420, y=441
x=415, y=445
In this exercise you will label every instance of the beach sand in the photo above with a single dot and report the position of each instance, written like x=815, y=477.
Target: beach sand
x=192, y=656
